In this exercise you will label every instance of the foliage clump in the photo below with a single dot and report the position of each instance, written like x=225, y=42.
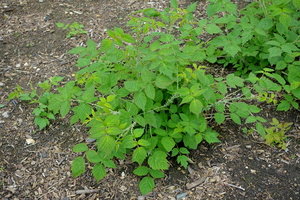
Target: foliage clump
x=147, y=94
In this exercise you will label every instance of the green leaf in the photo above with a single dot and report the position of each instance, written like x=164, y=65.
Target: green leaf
x=141, y=171
x=140, y=120
x=254, y=109
x=174, y=4
x=109, y=163
x=220, y=107
x=150, y=91
x=250, y=119
x=285, y=20
x=128, y=38
x=184, y=150
x=283, y=106
x=41, y=122
x=80, y=147
x=168, y=143
x=261, y=130
x=82, y=62
x=146, y=185
x=140, y=100
x=138, y=132
x=235, y=118
x=219, y=117
x=106, y=44
x=128, y=142
x=211, y=136
x=183, y=160
x=99, y=172
x=196, y=107
x=187, y=99
x=132, y=86
x=78, y=166
x=212, y=29
x=143, y=142
x=150, y=119
x=106, y=144
x=163, y=81
x=139, y=155
x=65, y=108
x=156, y=173
x=274, y=52
x=222, y=88
x=1, y=105
x=158, y=160
x=93, y=156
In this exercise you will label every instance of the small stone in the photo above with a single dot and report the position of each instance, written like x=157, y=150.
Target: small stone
x=248, y=146
x=91, y=140
x=141, y=198
x=181, y=196
x=1, y=84
x=18, y=65
x=5, y=114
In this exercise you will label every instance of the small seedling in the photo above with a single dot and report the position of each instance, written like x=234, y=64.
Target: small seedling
x=74, y=29
x=276, y=133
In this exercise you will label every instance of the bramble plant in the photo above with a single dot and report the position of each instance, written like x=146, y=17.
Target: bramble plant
x=146, y=93
x=74, y=29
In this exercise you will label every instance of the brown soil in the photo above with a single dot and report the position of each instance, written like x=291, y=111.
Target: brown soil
x=32, y=49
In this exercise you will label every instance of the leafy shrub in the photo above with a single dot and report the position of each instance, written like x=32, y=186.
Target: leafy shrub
x=146, y=93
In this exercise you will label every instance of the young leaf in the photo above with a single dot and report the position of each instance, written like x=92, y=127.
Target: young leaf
x=183, y=160
x=138, y=132
x=235, y=118
x=146, y=185
x=41, y=122
x=99, y=172
x=93, y=156
x=141, y=171
x=143, y=142
x=174, y=4
x=196, y=106
x=219, y=117
x=106, y=144
x=140, y=120
x=158, y=160
x=140, y=100
x=80, y=147
x=156, y=173
x=109, y=163
x=168, y=143
x=211, y=136
x=78, y=166
x=139, y=155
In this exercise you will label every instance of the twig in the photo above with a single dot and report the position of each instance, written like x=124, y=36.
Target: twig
x=239, y=187
x=86, y=191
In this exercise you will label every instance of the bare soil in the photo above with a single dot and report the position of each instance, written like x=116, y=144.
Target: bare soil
x=33, y=49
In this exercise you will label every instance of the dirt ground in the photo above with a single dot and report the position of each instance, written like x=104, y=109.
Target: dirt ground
x=33, y=49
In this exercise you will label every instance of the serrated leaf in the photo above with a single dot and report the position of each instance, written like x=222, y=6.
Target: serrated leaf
x=138, y=132
x=150, y=91
x=140, y=120
x=184, y=150
x=141, y=171
x=139, y=155
x=93, y=156
x=183, y=160
x=99, y=172
x=78, y=166
x=140, y=100
x=132, y=86
x=158, y=160
x=196, y=106
x=260, y=129
x=250, y=119
x=80, y=147
x=283, y=106
x=128, y=142
x=143, y=142
x=212, y=29
x=222, y=88
x=168, y=143
x=187, y=99
x=150, y=119
x=219, y=117
x=174, y=4
x=192, y=7
x=128, y=38
x=235, y=118
x=109, y=163
x=220, y=107
x=274, y=52
x=106, y=144
x=254, y=109
x=146, y=185
x=41, y=122
x=106, y=44
x=77, y=50
x=211, y=136
x=156, y=173
x=163, y=81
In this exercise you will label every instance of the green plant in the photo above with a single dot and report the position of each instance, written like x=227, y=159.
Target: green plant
x=74, y=29
x=276, y=133
x=146, y=94
x=265, y=34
